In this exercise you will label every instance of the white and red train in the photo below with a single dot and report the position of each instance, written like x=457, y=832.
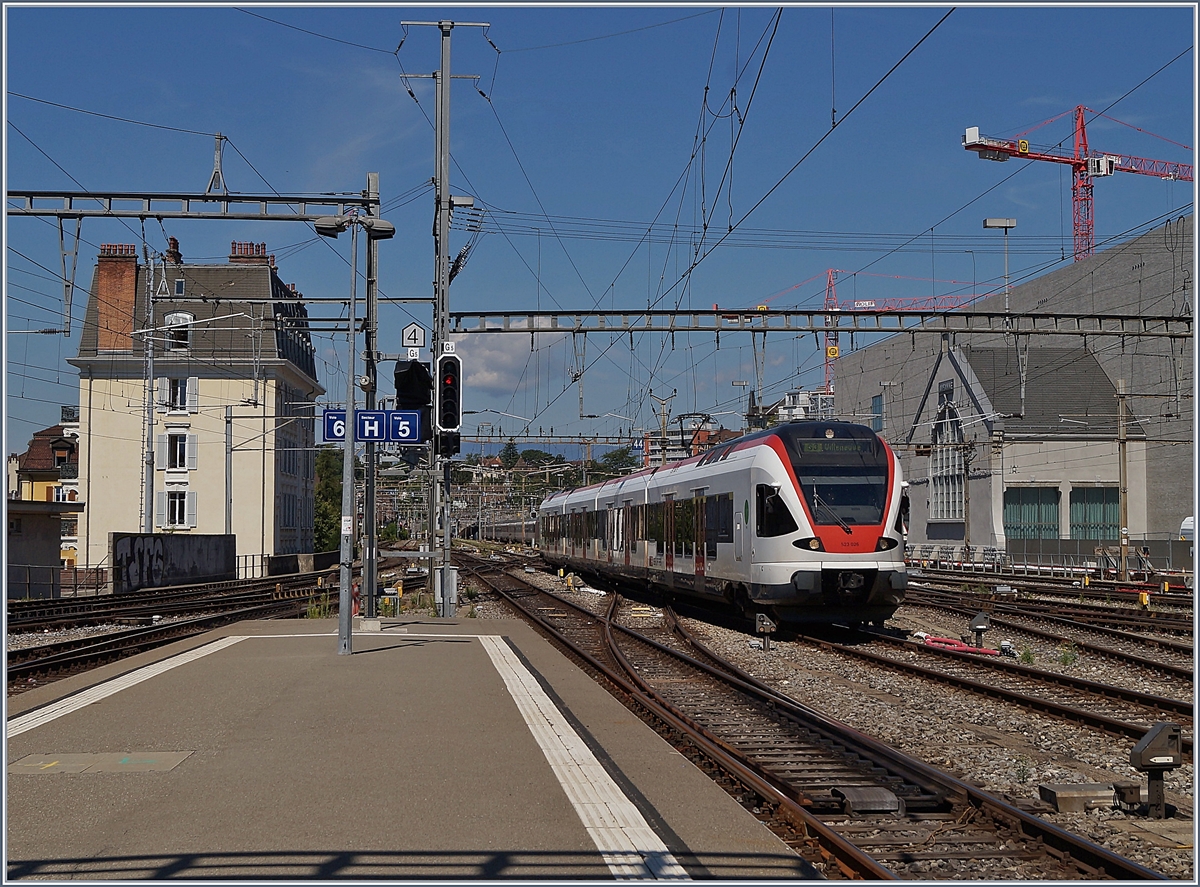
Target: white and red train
x=805, y=522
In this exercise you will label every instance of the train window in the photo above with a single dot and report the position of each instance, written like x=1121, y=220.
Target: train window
x=654, y=528
x=718, y=521
x=685, y=527
x=771, y=516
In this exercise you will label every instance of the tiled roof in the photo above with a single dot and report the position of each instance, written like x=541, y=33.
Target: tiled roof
x=40, y=455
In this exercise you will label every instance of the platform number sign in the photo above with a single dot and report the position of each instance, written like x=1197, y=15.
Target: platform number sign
x=335, y=424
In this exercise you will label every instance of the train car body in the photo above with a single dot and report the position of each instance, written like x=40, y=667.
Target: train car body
x=805, y=521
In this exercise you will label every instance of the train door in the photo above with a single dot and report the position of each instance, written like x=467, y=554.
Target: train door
x=669, y=533
x=626, y=518
x=698, y=537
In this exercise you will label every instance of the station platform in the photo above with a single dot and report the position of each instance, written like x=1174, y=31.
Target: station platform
x=441, y=749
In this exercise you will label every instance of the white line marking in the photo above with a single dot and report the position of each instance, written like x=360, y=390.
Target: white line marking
x=22, y=723
x=628, y=845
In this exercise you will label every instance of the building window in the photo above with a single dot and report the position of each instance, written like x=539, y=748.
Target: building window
x=179, y=286
x=946, y=479
x=179, y=330
x=176, y=509
x=61, y=494
x=14, y=526
x=1031, y=513
x=877, y=413
x=1095, y=513
x=69, y=527
x=177, y=451
x=177, y=398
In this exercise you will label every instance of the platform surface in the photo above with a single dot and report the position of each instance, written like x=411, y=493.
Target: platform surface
x=441, y=749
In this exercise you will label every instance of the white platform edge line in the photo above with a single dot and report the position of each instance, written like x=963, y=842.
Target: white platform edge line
x=23, y=723
x=583, y=779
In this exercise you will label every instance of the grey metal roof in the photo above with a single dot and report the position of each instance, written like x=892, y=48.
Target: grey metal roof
x=227, y=331
x=1066, y=391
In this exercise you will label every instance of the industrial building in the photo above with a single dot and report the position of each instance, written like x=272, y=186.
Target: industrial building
x=1019, y=443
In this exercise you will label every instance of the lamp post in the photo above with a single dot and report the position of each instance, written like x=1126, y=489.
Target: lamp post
x=1006, y=224
x=377, y=229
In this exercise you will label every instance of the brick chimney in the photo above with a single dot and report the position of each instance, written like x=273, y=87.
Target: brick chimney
x=174, y=256
x=116, y=294
x=245, y=253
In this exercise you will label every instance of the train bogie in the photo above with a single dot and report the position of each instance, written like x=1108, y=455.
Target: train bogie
x=806, y=521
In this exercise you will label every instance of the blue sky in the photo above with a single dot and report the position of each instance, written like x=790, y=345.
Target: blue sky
x=587, y=135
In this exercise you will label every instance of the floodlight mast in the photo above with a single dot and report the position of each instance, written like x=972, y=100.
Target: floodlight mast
x=377, y=229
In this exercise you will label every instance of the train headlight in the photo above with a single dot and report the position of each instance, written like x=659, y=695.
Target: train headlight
x=810, y=544
x=886, y=543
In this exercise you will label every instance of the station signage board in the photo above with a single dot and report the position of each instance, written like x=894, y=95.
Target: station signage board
x=374, y=426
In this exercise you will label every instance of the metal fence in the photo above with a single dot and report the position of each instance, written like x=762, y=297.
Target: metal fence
x=1059, y=557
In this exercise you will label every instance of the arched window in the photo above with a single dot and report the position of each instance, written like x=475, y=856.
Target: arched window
x=179, y=330
x=946, y=477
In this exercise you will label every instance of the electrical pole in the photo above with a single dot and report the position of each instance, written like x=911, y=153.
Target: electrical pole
x=1123, y=490
x=346, y=558
x=439, y=464
x=370, y=546
x=148, y=465
x=441, y=310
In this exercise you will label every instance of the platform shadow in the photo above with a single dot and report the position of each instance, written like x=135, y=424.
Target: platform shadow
x=388, y=865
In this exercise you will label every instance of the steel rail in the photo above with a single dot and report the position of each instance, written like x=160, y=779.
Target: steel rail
x=1181, y=672
x=1104, y=861
x=112, y=647
x=852, y=861
x=1046, y=706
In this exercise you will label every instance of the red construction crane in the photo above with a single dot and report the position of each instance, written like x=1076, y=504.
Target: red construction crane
x=1085, y=165
x=908, y=303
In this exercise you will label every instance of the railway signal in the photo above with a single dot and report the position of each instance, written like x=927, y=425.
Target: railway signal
x=414, y=391
x=449, y=392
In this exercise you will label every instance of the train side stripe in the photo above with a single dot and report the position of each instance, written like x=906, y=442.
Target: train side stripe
x=630, y=848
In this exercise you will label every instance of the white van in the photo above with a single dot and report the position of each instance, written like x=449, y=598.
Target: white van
x=1187, y=530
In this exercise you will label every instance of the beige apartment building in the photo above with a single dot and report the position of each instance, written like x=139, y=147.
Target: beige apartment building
x=233, y=385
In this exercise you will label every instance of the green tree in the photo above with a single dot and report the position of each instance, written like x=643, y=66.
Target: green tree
x=536, y=457
x=509, y=456
x=327, y=507
x=618, y=461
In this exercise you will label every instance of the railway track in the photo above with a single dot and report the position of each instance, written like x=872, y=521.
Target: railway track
x=1120, y=618
x=1070, y=585
x=849, y=804
x=1114, y=710
x=1173, y=659
x=31, y=666
x=61, y=613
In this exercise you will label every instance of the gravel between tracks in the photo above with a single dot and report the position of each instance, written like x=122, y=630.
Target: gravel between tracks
x=1002, y=748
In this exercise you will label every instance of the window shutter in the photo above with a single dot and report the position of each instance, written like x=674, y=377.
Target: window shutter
x=193, y=394
x=162, y=393
x=191, y=451
x=160, y=508
x=191, y=510
x=160, y=452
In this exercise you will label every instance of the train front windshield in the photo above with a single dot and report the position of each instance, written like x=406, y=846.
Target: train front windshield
x=844, y=478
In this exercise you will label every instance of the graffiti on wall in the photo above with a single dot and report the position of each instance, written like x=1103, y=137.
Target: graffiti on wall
x=151, y=560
